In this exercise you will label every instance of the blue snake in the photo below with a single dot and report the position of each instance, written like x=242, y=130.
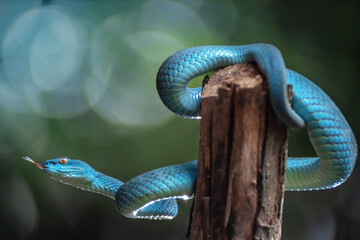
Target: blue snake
x=153, y=194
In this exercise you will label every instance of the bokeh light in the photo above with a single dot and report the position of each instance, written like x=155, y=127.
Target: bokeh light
x=42, y=53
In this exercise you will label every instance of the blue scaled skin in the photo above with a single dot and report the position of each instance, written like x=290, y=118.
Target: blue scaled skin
x=329, y=132
x=153, y=194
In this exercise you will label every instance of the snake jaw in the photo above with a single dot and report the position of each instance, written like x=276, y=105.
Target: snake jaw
x=42, y=167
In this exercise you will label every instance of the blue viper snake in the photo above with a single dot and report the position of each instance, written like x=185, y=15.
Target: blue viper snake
x=153, y=194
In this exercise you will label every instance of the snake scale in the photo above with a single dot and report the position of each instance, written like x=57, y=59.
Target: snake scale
x=153, y=194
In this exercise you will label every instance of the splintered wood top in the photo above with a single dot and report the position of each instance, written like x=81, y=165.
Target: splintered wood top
x=244, y=75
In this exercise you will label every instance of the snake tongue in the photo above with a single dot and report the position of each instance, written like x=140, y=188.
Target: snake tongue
x=32, y=161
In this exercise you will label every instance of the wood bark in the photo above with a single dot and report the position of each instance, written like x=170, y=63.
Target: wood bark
x=243, y=148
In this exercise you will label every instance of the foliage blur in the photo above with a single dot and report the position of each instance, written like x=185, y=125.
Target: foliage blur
x=77, y=79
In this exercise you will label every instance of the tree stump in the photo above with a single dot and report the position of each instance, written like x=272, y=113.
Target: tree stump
x=243, y=149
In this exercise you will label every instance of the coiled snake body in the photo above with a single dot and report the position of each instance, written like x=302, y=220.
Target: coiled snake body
x=153, y=194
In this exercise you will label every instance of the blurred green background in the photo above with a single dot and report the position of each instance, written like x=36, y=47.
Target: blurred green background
x=77, y=79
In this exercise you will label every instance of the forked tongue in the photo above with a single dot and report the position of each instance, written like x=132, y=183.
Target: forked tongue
x=32, y=161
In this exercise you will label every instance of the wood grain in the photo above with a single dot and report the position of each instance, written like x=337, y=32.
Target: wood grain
x=243, y=148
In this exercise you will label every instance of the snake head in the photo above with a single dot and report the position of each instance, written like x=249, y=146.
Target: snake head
x=66, y=170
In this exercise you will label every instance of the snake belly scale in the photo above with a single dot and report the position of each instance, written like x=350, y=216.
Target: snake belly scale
x=153, y=194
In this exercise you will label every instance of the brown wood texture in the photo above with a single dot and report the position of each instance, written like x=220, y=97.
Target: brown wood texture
x=243, y=148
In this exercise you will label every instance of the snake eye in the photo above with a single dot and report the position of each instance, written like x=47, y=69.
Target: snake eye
x=63, y=160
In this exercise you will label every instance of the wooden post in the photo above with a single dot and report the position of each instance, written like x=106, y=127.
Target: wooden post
x=243, y=148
